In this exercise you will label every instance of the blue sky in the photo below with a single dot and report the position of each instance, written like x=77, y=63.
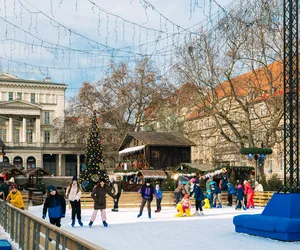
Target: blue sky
x=72, y=41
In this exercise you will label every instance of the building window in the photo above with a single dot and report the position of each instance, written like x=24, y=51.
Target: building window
x=271, y=165
x=16, y=136
x=32, y=97
x=154, y=154
x=262, y=110
x=47, y=117
x=10, y=96
x=47, y=137
x=3, y=134
x=18, y=162
x=19, y=95
x=29, y=136
x=31, y=162
x=281, y=163
x=244, y=163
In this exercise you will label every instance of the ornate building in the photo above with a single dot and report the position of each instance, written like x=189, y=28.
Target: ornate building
x=28, y=109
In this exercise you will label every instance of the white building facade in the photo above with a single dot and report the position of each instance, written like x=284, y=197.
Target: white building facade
x=27, y=111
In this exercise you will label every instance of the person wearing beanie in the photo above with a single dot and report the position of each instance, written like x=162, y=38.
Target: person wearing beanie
x=147, y=197
x=231, y=193
x=99, y=196
x=179, y=192
x=73, y=193
x=240, y=197
x=14, y=197
x=55, y=204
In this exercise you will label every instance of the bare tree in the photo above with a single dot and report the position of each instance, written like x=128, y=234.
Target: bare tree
x=237, y=68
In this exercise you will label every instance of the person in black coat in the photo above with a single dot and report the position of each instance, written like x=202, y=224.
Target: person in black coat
x=147, y=197
x=199, y=197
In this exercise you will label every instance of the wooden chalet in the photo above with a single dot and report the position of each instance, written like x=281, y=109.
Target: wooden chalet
x=154, y=150
x=147, y=155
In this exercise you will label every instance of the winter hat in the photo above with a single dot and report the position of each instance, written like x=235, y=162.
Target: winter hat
x=157, y=186
x=193, y=180
x=51, y=188
x=186, y=196
x=1, y=179
x=184, y=182
x=14, y=186
x=102, y=180
x=74, y=178
x=147, y=181
x=228, y=184
x=12, y=179
x=245, y=182
x=240, y=186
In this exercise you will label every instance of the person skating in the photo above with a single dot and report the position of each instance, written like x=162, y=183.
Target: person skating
x=199, y=197
x=231, y=193
x=116, y=190
x=240, y=197
x=250, y=194
x=73, y=193
x=147, y=197
x=55, y=204
x=158, y=196
x=99, y=196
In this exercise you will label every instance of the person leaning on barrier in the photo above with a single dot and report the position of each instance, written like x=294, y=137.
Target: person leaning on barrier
x=14, y=197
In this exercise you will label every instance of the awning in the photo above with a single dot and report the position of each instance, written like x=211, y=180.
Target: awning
x=131, y=150
x=153, y=174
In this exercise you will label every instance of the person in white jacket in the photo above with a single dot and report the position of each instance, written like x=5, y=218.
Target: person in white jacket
x=73, y=193
x=258, y=187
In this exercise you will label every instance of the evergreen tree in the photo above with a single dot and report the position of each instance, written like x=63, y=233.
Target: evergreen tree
x=95, y=166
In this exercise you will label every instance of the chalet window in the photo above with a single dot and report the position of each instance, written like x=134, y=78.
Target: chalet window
x=185, y=156
x=244, y=163
x=271, y=165
x=155, y=154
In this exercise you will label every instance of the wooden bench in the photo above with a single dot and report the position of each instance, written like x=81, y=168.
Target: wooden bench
x=133, y=199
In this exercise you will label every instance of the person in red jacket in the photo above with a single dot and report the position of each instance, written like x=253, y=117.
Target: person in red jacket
x=249, y=193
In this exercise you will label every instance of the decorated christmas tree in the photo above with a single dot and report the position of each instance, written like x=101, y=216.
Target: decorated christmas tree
x=95, y=166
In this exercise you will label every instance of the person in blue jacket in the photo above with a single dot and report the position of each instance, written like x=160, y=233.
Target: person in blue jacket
x=231, y=193
x=158, y=196
x=199, y=197
x=216, y=193
x=56, y=206
x=240, y=197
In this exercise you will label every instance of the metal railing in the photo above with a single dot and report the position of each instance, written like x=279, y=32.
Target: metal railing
x=32, y=233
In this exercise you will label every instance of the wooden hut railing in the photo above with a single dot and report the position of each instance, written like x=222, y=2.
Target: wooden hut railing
x=33, y=233
x=133, y=199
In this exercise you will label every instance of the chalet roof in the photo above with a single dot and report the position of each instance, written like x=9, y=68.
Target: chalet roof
x=5, y=165
x=11, y=171
x=36, y=172
x=156, y=139
x=153, y=174
x=201, y=167
x=2, y=143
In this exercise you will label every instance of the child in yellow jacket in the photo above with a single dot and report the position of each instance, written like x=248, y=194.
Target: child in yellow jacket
x=15, y=197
